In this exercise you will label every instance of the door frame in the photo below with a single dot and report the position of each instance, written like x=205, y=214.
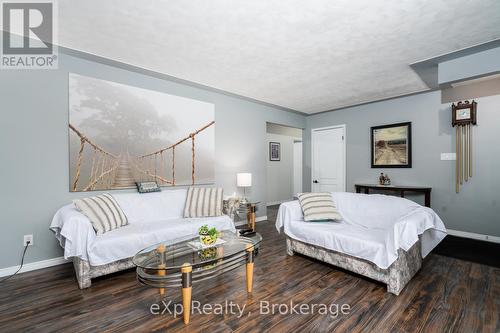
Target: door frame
x=301, y=165
x=344, y=127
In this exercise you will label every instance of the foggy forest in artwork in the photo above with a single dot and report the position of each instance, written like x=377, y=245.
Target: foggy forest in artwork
x=121, y=134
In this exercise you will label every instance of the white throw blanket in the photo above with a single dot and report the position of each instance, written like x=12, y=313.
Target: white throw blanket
x=374, y=227
x=150, y=222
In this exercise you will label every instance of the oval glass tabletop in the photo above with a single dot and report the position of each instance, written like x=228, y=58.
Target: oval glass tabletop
x=173, y=255
x=182, y=263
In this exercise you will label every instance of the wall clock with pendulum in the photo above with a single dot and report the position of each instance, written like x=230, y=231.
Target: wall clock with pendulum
x=463, y=117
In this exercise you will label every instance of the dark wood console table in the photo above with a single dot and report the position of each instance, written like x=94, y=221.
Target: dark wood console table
x=396, y=188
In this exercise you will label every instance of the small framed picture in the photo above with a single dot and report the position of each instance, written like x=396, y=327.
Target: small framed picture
x=274, y=151
x=391, y=146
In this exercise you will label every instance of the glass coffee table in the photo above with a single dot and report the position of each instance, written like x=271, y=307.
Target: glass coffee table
x=181, y=263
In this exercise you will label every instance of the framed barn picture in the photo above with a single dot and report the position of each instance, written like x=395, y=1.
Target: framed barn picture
x=274, y=151
x=391, y=146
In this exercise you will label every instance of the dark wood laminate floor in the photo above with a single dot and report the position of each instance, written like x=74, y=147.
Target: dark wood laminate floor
x=447, y=295
x=481, y=252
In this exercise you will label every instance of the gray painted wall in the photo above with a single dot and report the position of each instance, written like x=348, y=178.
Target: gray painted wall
x=284, y=130
x=477, y=207
x=34, y=146
x=474, y=65
x=486, y=86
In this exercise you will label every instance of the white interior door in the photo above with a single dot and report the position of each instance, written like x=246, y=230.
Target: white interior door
x=328, y=159
x=297, y=167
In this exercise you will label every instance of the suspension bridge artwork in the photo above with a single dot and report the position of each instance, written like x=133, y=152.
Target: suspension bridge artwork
x=120, y=134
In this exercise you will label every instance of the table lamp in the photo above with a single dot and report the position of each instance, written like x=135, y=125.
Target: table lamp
x=244, y=180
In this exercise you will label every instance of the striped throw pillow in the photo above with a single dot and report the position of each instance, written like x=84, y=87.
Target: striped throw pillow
x=318, y=206
x=203, y=202
x=103, y=212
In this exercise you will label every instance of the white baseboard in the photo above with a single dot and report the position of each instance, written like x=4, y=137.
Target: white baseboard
x=260, y=219
x=33, y=266
x=257, y=219
x=60, y=260
x=472, y=235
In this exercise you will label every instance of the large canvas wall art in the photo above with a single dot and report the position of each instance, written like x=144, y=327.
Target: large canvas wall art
x=120, y=135
x=391, y=146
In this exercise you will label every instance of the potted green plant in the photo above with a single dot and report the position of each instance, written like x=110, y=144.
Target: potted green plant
x=208, y=236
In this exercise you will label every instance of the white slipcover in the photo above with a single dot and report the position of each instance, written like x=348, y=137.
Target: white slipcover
x=373, y=228
x=153, y=218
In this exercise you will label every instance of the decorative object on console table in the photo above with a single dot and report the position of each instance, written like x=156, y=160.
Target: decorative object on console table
x=391, y=146
x=381, y=179
x=244, y=180
x=464, y=114
x=274, y=151
x=384, y=179
x=397, y=188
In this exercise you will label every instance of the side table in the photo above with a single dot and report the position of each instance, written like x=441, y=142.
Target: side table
x=250, y=208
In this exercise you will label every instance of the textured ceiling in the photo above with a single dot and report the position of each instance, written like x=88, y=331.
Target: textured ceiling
x=308, y=56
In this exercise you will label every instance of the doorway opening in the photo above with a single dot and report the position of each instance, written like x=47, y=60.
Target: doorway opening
x=284, y=165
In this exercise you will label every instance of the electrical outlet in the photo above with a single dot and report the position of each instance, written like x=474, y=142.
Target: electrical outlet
x=28, y=238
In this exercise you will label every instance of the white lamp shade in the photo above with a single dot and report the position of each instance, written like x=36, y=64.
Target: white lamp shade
x=244, y=179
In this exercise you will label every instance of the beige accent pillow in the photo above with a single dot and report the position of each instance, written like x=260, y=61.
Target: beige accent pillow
x=203, y=202
x=103, y=212
x=318, y=206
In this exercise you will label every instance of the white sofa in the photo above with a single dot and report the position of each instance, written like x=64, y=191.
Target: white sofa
x=153, y=218
x=381, y=237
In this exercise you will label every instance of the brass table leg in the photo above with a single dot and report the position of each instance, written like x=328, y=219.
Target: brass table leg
x=186, y=271
x=252, y=209
x=162, y=271
x=249, y=217
x=249, y=266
